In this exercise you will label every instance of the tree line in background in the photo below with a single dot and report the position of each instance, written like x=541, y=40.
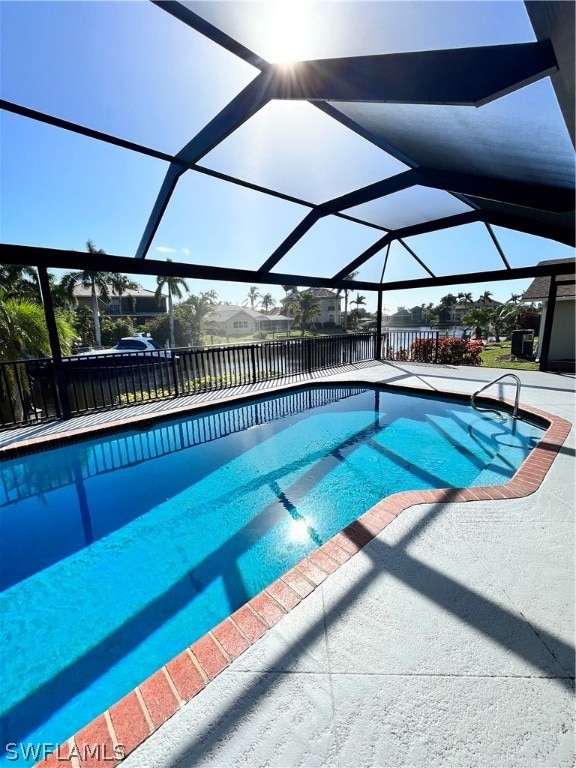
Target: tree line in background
x=486, y=317
x=23, y=329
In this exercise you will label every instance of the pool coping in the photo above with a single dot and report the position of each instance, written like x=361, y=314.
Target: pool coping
x=125, y=725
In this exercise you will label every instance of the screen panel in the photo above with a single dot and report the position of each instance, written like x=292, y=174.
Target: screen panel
x=523, y=250
x=459, y=250
x=158, y=83
x=294, y=148
x=292, y=30
x=327, y=247
x=67, y=189
x=212, y=222
x=410, y=206
x=520, y=137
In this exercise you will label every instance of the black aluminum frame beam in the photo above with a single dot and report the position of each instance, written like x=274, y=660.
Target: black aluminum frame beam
x=196, y=22
x=67, y=125
x=490, y=72
x=235, y=113
x=66, y=259
x=417, y=229
x=463, y=76
x=535, y=196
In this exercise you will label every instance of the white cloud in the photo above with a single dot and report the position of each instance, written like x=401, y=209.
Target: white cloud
x=164, y=249
x=186, y=251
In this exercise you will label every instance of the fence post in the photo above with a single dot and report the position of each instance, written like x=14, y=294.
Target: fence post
x=436, y=346
x=61, y=401
x=253, y=363
x=308, y=351
x=175, y=374
x=378, y=340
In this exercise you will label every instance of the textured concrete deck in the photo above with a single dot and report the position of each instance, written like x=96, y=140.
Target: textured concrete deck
x=447, y=641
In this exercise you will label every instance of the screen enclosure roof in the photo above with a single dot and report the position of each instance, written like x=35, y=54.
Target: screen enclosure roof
x=289, y=142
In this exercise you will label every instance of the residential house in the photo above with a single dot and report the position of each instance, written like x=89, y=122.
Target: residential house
x=561, y=352
x=139, y=304
x=329, y=305
x=233, y=320
x=401, y=318
x=461, y=308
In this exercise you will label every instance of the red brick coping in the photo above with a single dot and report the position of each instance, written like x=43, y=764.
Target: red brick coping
x=108, y=739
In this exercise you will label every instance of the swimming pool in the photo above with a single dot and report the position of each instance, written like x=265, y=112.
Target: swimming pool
x=118, y=553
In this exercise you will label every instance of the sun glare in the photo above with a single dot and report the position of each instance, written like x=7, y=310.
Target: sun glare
x=288, y=32
x=299, y=530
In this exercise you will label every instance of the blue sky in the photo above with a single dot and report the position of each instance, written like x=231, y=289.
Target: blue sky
x=130, y=69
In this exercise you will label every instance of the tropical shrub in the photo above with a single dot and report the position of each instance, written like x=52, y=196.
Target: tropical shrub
x=423, y=350
x=114, y=330
x=24, y=335
x=451, y=351
x=458, y=351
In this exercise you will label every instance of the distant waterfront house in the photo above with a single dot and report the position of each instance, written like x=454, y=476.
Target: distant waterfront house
x=232, y=320
x=139, y=304
x=402, y=317
x=561, y=353
x=329, y=305
x=462, y=308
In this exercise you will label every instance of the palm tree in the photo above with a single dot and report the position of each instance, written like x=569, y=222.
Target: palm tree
x=446, y=306
x=19, y=281
x=307, y=309
x=267, y=302
x=346, y=291
x=480, y=318
x=503, y=319
x=98, y=282
x=23, y=333
x=253, y=296
x=174, y=286
x=359, y=301
x=514, y=298
x=430, y=313
x=485, y=297
x=120, y=284
x=194, y=312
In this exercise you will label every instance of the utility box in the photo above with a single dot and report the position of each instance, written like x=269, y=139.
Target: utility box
x=522, y=343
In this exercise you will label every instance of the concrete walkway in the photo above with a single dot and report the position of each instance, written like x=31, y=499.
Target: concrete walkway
x=447, y=641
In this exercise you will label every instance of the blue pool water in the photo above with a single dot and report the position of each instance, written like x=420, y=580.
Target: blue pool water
x=117, y=553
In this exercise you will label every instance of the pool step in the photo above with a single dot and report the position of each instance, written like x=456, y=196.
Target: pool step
x=466, y=438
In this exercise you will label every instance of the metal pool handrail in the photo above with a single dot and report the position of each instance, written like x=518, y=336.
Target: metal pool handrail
x=504, y=375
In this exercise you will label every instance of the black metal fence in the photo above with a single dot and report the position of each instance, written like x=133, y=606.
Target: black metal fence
x=38, y=390
x=407, y=346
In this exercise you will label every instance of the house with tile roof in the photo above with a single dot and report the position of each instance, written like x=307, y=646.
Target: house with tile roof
x=329, y=304
x=560, y=354
x=233, y=320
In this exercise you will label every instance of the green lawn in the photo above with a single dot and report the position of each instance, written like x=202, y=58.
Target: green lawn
x=497, y=355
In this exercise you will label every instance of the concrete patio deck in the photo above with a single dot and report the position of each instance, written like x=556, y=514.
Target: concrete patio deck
x=447, y=641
